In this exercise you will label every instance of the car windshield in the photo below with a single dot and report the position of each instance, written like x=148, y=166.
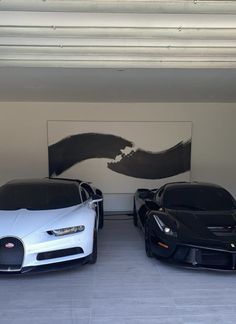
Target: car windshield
x=38, y=196
x=198, y=198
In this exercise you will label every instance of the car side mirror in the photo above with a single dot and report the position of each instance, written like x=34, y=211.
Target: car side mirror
x=147, y=194
x=152, y=205
x=95, y=198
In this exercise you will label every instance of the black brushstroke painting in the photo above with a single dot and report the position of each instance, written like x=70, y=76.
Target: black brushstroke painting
x=77, y=148
x=150, y=165
x=137, y=164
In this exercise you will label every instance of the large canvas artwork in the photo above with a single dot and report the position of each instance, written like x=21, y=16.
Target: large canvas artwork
x=120, y=157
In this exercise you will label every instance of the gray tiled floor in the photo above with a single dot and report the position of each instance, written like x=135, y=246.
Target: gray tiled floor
x=124, y=287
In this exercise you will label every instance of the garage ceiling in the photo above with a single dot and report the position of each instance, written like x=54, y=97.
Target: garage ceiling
x=126, y=50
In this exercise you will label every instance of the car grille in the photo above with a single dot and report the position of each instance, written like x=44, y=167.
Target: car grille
x=205, y=257
x=216, y=258
x=11, y=254
x=59, y=253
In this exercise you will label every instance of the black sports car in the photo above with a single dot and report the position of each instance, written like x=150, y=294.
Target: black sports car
x=188, y=222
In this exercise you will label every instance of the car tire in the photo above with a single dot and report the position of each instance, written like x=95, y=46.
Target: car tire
x=93, y=256
x=148, y=248
x=135, y=218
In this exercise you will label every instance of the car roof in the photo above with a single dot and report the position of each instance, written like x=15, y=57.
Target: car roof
x=40, y=181
x=191, y=184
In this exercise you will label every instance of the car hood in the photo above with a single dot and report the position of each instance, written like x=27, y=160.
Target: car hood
x=215, y=225
x=23, y=222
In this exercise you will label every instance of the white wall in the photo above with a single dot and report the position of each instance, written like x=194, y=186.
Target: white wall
x=23, y=136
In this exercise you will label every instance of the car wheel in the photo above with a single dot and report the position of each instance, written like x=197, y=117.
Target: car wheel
x=135, y=218
x=147, y=243
x=93, y=256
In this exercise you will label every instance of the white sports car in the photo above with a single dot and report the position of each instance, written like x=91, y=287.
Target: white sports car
x=48, y=224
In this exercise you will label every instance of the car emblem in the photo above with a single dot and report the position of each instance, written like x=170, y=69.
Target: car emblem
x=9, y=245
x=232, y=245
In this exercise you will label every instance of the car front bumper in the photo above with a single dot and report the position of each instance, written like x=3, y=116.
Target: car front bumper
x=207, y=257
x=18, y=256
x=197, y=255
x=48, y=267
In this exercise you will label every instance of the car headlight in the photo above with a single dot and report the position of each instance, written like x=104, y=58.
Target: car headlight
x=67, y=230
x=168, y=230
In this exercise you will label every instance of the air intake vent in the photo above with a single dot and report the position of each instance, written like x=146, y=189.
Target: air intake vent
x=222, y=230
x=59, y=253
